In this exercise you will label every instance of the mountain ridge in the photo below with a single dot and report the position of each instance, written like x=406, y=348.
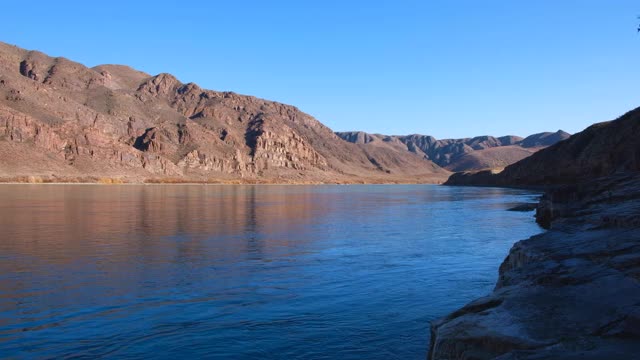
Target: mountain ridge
x=600, y=150
x=115, y=122
x=464, y=153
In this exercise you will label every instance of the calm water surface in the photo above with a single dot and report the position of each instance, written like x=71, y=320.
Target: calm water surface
x=244, y=272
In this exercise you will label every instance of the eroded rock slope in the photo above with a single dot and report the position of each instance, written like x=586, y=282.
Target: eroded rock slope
x=478, y=153
x=62, y=121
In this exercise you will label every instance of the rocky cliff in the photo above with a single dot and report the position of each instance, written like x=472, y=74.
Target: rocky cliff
x=62, y=121
x=570, y=293
x=574, y=291
x=481, y=152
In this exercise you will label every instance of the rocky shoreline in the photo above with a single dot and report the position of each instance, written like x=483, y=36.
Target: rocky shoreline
x=572, y=292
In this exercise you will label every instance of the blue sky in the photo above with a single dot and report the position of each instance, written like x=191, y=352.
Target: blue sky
x=446, y=68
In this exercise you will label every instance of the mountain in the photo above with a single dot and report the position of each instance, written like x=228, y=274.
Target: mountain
x=491, y=158
x=544, y=139
x=602, y=149
x=63, y=121
x=481, y=152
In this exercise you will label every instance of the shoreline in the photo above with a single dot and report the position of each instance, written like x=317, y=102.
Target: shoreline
x=176, y=181
x=571, y=292
x=218, y=183
x=301, y=179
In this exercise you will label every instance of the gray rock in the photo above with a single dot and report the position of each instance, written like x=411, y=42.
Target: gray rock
x=570, y=293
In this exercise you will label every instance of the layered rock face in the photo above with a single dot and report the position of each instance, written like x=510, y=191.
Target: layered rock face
x=481, y=152
x=600, y=150
x=570, y=293
x=62, y=121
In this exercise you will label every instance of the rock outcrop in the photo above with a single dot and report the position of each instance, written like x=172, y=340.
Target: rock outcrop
x=574, y=291
x=570, y=293
x=481, y=152
x=73, y=123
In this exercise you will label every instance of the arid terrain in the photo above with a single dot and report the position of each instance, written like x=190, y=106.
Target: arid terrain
x=602, y=149
x=61, y=121
x=478, y=153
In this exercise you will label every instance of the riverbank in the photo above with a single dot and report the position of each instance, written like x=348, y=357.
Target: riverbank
x=571, y=293
x=212, y=181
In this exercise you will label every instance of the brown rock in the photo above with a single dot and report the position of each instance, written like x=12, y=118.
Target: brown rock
x=478, y=153
x=113, y=121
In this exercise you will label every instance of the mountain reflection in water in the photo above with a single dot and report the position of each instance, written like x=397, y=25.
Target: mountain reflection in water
x=244, y=271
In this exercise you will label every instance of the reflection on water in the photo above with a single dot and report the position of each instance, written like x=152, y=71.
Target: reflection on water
x=243, y=271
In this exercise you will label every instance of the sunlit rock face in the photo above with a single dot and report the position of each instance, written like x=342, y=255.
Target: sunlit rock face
x=478, y=153
x=70, y=122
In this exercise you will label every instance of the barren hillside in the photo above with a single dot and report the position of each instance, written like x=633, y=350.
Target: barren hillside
x=62, y=121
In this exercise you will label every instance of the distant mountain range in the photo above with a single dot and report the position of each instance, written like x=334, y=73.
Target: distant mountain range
x=603, y=149
x=481, y=152
x=63, y=121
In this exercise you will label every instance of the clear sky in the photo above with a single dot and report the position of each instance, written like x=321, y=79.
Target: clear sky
x=448, y=68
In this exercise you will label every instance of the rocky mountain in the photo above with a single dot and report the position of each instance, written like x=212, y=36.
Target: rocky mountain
x=600, y=150
x=481, y=152
x=62, y=121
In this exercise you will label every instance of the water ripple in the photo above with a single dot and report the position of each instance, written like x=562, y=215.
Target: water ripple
x=244, y=272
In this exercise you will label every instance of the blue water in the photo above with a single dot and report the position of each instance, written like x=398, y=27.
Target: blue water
x=244, y=272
